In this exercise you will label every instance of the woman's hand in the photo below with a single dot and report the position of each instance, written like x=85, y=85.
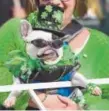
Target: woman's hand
x=70, y=105
x=53, y=102
x=56, y=102
x=19, y=12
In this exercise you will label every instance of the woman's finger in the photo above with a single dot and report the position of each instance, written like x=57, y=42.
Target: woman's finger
x=66, y=100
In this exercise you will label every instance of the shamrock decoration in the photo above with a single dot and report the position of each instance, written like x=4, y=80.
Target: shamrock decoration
x=48, y=17
x=32, y=18
x=57, y=15
x=48, y=8
x=44, y=15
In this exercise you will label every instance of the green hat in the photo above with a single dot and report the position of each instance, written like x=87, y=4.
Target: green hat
x=47, y=17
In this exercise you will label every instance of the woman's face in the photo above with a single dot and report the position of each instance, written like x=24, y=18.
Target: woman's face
x=54, y=2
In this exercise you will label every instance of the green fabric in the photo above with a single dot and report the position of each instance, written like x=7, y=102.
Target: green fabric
x=94, y=60
x=10, y=39
x=97, y=52
x=47, y=17
x=19, y=63
x=95, y=64
x=68, y=58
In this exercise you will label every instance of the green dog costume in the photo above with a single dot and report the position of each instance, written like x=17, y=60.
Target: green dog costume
x=94, y=64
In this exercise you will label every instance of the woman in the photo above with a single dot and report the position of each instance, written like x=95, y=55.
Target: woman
x=68, y=6
x=18, y=10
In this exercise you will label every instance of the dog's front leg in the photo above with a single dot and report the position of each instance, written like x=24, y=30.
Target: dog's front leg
x=11, y=99
x=79, y=80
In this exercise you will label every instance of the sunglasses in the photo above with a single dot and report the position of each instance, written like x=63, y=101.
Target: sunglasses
x=40, y=43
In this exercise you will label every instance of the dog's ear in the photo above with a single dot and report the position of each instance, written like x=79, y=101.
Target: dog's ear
x=25, y=28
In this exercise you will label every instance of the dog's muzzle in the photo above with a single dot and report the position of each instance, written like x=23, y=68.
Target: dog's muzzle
x=48, y=54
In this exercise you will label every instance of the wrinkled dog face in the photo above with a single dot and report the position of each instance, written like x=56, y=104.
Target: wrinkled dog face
x=41, y=44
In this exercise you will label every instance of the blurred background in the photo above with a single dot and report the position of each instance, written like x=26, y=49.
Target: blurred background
x=93, y=14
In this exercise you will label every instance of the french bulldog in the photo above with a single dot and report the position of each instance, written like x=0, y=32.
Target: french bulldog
x=48, y=48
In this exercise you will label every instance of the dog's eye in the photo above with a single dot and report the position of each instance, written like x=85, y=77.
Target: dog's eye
x=39, y=43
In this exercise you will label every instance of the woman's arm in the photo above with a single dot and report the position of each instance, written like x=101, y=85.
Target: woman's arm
x=69, y=6
x=18, y=10
x=55, y=102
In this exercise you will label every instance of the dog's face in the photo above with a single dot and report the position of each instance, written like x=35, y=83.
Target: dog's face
x=41, y=44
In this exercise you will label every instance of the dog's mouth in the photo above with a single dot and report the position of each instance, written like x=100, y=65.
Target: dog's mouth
x=49, y=54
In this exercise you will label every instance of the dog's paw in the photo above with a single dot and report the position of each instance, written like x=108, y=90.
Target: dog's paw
x=9, y=102
x=97, y=91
